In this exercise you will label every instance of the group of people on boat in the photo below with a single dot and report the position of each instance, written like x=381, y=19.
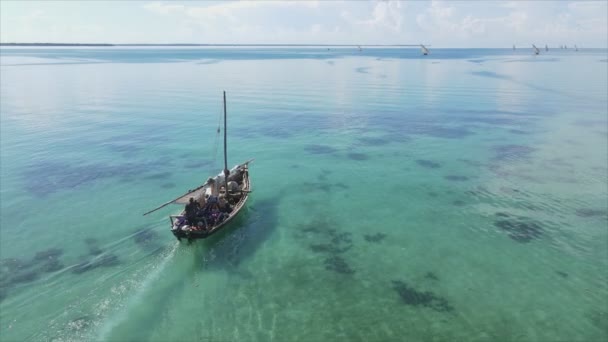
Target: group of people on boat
x=210, y=210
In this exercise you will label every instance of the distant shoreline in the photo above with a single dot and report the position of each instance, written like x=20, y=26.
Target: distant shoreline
x=52, y=44
x=107, y=44
x=250, y=45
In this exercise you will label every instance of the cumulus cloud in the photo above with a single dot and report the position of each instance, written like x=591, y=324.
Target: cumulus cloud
x=440, y=23
x=162, y=8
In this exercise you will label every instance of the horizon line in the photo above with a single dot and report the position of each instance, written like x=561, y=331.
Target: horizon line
x=260, y=45
x=204, y=44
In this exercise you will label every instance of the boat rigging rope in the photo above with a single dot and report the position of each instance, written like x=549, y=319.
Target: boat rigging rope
x=217, y=135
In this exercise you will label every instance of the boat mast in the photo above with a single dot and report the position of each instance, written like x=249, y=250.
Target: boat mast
x=226, y=172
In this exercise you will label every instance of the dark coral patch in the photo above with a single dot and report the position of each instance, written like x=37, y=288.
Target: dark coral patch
x=589, y=212
x=520, y=229
x=431, y=276
x=459, y=203
x=448, y=133
x=82, y=267
x=145, y=236
x=52, y=265
x=25, y=277
x=518, y=131
x=311, y=229
x=90, y=241
x=334, y=242
x=93, y=247
x=413, y=297
x=15, y=264
x=373, y=141
x=374, y=237
x=562, y=274
x=341, y=186
x=161, y=175
x=49, y=254
x=428, y=164
x=357, y=156
x=338, y=265
x=432, y=194
x=106, y=260
x=329, y=248
x=323, y=186
x=344, y=237
x=338, y=242
x=512, y=191
x=44, y=178
x=470, y=162
x=512, y=152
x=455, y=178
x=95, y=250
x=319, y=149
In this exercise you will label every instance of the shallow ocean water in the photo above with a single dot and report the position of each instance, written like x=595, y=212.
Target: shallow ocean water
x=461, y=196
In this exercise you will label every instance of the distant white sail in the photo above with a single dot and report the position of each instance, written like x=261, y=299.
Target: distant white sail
x=359, y=46
x=425, y=51
x=536, y=50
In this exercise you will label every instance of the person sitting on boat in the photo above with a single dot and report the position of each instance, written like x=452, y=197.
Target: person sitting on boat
x=222, y=199
x=202, y=201
x=201, y=224
x=211, y=205
x=212, y=202
x=191, y=209
x=216, y=216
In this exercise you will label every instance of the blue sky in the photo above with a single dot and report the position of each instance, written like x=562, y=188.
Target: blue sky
x=439, y=23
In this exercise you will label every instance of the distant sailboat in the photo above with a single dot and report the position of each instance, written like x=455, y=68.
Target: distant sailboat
x=425, y=51
x=513, y=47
x=359, y=46
x=546, y=47
x=566, y=47
x=575, y=48
x=536, y=50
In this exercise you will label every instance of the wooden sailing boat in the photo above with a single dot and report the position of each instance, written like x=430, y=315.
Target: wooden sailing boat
x=536, y=50
x=425, y=51
x=212, y=205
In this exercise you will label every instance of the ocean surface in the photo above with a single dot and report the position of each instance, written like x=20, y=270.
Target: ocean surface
x=460, y=196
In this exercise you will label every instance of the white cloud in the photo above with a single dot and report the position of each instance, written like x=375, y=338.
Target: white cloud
x=438, y=23
x=162, y=8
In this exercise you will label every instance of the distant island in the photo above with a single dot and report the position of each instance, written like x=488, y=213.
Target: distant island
x=52, y=44
x=83, y=44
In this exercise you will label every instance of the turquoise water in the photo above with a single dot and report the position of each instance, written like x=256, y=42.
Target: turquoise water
x=461, y=196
